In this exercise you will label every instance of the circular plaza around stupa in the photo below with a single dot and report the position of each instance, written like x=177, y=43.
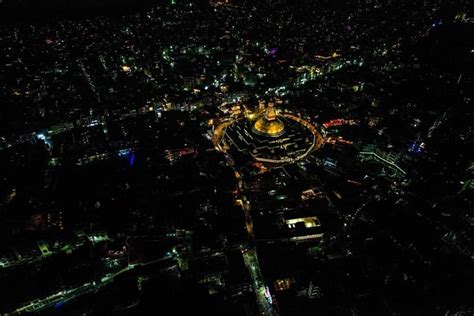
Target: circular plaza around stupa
x=268, y=136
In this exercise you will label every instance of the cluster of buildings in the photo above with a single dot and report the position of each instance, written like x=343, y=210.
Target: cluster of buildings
x=240, y=157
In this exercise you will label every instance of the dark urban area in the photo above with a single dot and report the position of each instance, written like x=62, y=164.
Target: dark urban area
x=237, y=157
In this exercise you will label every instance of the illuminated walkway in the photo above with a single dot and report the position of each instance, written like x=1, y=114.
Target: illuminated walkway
x=264, y=300
x=62, y=297
x=249, y=254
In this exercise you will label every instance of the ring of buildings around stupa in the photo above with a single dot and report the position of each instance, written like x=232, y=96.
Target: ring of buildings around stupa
x=267, y=135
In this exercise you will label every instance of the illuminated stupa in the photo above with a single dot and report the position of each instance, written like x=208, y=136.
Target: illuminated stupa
x=268, y=124
x=270, y=136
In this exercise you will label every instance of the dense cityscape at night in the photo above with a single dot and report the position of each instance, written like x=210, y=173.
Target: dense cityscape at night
x=237, y=157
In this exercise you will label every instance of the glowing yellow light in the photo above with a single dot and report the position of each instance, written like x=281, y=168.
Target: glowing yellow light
x=309, y=222
x=224, y=88
x=268, y=123
x=252, y=116
x=126, y=68
x=274, y=127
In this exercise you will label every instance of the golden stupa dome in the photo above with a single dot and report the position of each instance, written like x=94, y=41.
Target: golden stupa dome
x=269, y=124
